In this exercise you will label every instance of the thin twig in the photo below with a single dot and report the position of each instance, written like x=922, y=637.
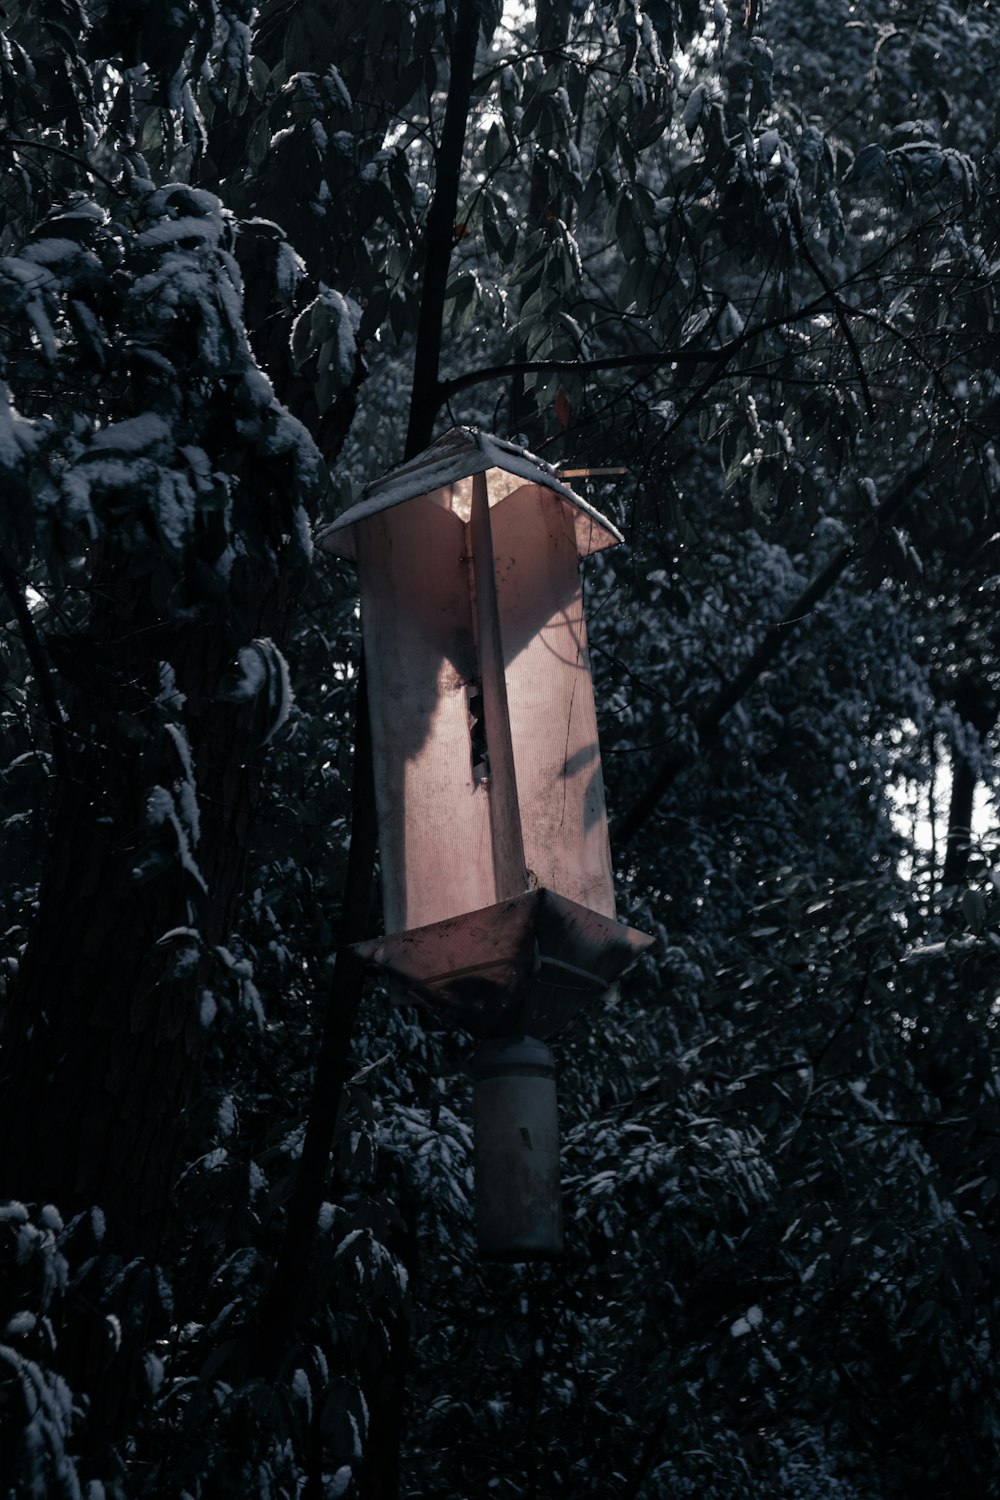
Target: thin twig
x=840, y=310
x=54, y=150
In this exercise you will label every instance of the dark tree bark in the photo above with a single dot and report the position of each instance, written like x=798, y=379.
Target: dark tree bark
x=426, y=396
x=960, y=805
x=977, y=708
x=551, y=32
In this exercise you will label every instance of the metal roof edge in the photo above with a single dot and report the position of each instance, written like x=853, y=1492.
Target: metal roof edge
x=457, y=454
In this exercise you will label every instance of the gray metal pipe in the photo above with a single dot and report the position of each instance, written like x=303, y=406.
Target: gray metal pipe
x=516, y=1156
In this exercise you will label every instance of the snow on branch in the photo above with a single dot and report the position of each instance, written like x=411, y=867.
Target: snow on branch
x=261, y=669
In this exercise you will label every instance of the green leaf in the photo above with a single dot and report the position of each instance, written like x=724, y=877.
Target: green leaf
x=258, y=140
x=260, y=75
x=627, y=231
x=495, y=150
x=974, y=909
x=607, y=144
x=399, y=314
x=869, y=161
x=495, y=241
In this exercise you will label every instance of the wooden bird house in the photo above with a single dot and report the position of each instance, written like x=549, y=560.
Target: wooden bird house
x=496, y=867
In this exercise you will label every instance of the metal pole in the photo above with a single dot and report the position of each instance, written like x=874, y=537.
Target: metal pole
x=516, y=1123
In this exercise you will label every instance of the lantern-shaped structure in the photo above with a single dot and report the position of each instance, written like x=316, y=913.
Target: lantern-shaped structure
x=496, y=867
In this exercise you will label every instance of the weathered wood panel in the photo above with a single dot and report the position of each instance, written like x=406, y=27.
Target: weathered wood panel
x=434, y=830
x=550, y=698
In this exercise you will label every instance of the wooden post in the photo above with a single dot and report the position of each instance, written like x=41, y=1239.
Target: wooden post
x=509, y=867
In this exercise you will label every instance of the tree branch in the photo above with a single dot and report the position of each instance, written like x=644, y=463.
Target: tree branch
x=708, y=722
x=651, y=359
x=428, y=394
x=841, y=316
x=894, y=1122
x=53, y=150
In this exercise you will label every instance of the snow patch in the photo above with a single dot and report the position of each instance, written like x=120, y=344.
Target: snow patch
x=752, y=1318
x=20, y=1324
x=19, y=436
x=161, y=808
x=133, y=435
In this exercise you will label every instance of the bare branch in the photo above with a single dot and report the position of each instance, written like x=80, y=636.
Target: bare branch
x=54, y=150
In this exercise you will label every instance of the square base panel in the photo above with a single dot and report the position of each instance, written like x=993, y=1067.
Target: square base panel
x=527, y=965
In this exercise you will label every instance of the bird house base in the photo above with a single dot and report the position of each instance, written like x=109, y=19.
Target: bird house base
x=525, y=966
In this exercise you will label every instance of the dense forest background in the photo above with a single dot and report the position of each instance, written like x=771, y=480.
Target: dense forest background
x=744, y=252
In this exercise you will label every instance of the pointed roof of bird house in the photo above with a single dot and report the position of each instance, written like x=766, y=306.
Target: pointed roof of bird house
x=458, y=454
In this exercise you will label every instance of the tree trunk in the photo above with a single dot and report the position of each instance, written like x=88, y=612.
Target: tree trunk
x=426, y=395
x=978, y=711
x=551, y=33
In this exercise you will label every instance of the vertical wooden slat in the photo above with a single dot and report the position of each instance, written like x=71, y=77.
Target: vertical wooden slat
x=505, y=819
